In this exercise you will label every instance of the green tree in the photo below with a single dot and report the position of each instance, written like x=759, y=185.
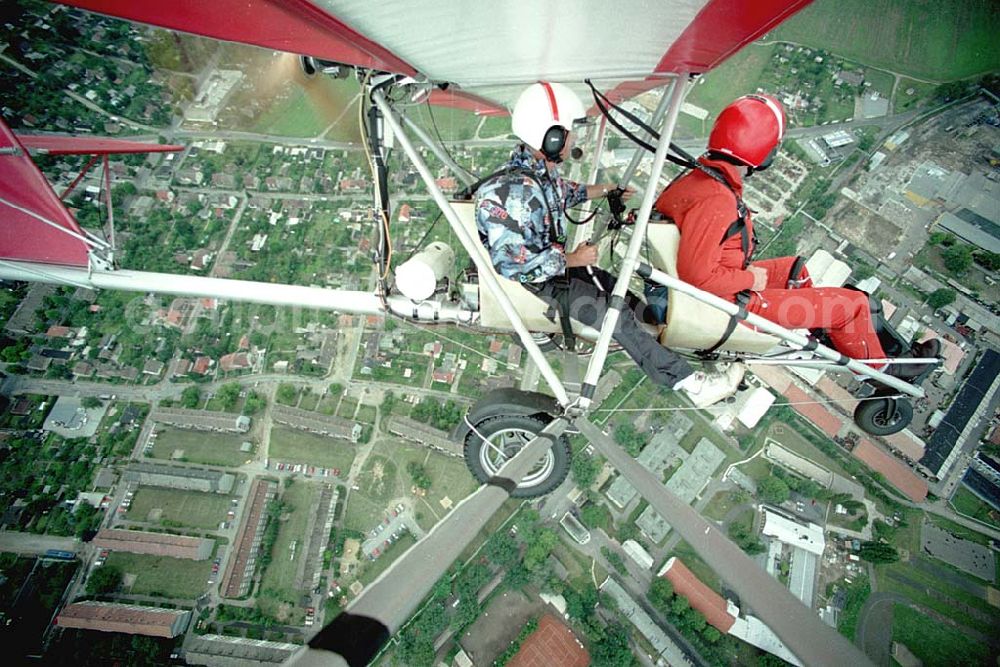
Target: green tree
x=254, y=403
x=419, y=474
x=940, y=298
x=989, y=260
x=773, y=490
x=190, y=397
x=958, y=258
x=941, y=238
x=711, y=635
x=105, y=579
x=228, y=394
x=630, y=439
x=595, y=516
x=287, y=394
x=584, y=469
x=502, y=550
x=878, y=552
x=660, y=593
x=541, y=545
x=91, y=402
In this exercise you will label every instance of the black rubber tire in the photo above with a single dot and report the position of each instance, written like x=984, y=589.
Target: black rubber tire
x=870, y=416
x=490, y=426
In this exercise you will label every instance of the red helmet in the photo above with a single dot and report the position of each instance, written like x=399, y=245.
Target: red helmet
x=750, y=129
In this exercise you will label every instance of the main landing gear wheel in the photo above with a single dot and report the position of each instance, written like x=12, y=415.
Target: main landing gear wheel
x=883, y=416
x=504, y=436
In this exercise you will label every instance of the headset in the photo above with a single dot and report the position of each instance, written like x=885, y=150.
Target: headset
x=554, y=140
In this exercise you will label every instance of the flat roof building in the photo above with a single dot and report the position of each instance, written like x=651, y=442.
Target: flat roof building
x=126, y=618
x=154, y=544
x=806, y=537
x=976, y=395
x=177, y=477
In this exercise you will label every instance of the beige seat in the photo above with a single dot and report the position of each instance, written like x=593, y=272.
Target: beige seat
x=531, y=309
x=693, y=325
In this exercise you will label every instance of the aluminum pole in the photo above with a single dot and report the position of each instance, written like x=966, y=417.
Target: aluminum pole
x=486, y=273
x=438, y=150
x=635, y=245
x=582, y=232
x=657, y=116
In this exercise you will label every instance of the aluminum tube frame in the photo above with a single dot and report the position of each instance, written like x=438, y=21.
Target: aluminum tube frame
x=784, y=334
x=581, y=232
x=656, y=118
x=631, y=260
x=439, y=151
x=486, y=273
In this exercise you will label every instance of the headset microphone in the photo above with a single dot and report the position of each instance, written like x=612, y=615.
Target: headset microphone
x=576, y=153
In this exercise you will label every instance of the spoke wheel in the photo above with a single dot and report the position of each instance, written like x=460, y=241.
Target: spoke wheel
x=883, y=416
x=496, y=440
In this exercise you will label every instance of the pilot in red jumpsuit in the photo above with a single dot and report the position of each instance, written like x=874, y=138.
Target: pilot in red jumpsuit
x=717, y=240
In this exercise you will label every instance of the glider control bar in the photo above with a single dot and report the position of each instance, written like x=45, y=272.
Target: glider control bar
x=811, y=640
x=356, y=635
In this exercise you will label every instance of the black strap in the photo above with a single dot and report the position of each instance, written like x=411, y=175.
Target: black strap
x=742, y=299
x=561, y=295
x=796, y=271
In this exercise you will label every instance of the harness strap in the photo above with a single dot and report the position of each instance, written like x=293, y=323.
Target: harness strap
x=742, y=300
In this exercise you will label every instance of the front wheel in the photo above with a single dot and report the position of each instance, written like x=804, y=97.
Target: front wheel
x=883, y=416
x=496, y=440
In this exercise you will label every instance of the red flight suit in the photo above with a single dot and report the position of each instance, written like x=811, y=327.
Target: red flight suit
x=703, y=210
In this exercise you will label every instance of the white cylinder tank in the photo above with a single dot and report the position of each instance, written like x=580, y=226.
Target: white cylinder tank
x=417, y=277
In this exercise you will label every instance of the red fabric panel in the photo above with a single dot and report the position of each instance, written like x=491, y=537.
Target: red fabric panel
x=59, y=145
x=295, y=26
x=457, y=99
x=22, y=236
x=721, y=28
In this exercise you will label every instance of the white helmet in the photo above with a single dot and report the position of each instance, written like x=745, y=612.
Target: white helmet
x=543, y=117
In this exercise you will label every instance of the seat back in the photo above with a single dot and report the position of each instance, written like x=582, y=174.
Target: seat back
x=531, y=309
x=692, y=324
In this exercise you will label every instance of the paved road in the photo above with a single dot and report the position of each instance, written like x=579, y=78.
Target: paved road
x=814, y=642
x=29, y=543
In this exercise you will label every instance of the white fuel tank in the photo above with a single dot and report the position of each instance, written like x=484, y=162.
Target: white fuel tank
x=417, y=277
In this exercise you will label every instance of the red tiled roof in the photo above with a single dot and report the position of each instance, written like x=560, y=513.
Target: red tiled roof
x=893, y=469
x=906, y=444
x=842, y=398
x=698, y=595
x=58, y=332
x=775, y=378
x=201, y=365
x=551, y=645
x=816, y=413
x=155, y=544
x=234, y=361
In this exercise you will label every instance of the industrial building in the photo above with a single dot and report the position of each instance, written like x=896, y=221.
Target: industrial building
x=974, y=402
x=177, y=477
x=154, y=544
x=126, y=618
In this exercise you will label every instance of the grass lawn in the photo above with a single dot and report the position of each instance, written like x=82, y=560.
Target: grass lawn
x=722, y=502
x=309, y=401
x=193, y=509
x=278, y=581
x=306, y=110
x=737, y=76
x=791, y=439
x=881, y=81
x=959, y=530
x=967, y=503
x=290, y=445
x=163, y=576
x=201, y=447
x=921, y=93
x=940, y=41
x=385, y=478
x=934, y=642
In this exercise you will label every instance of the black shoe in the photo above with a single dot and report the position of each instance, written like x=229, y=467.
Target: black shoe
x=928, y=349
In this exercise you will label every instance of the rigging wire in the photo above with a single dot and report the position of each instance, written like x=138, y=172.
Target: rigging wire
x=831, y=401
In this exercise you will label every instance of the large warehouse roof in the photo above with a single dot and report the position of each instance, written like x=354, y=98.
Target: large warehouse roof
x=712, y=605
x=810, y=538
x=130, y=619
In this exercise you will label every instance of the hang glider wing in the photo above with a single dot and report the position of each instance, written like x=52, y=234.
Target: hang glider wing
x=52, y=144
x=486, y=49
x=45, y=230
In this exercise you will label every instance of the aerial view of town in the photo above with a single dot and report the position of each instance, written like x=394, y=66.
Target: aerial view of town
x=192, y=479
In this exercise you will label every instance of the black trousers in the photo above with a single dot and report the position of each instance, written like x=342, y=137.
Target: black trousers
x=588, y=303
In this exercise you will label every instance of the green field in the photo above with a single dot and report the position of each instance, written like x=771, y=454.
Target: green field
x=371, y=569
x=278, y=596
x=201, y=447
x=290, y=445
x=309, y=107
x=193, y=509
x=967, y=503
x=384, y=479
x=941, y=41
x=163, y=576
x=934, y=642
